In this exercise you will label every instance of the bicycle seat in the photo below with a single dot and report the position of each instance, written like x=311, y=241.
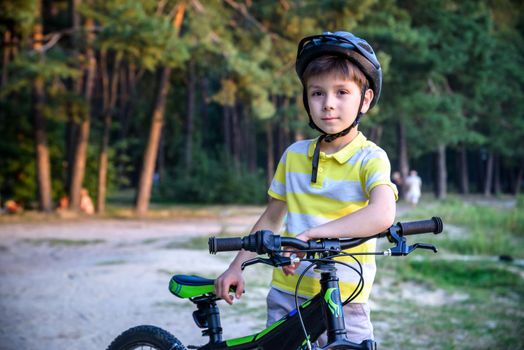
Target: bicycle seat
x=184, y=286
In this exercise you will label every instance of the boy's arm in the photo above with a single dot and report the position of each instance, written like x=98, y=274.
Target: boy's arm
x=271, y=219
x=376, y=217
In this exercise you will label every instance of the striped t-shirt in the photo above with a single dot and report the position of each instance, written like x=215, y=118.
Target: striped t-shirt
x=344, y=182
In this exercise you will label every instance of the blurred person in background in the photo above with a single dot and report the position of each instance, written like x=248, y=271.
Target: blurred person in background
x=413, y=186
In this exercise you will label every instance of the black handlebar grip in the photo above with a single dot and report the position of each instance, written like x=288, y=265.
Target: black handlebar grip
x=224, y=244
x=433, y=225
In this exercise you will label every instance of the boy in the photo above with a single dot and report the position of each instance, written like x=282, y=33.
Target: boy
x=335, y=186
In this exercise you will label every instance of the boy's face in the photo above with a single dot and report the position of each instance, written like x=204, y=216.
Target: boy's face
x=334, y=100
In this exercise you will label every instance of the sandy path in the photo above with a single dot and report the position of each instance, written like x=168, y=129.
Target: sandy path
x=55, y=295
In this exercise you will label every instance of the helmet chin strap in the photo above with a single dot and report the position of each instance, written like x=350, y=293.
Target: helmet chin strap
x=330, y=137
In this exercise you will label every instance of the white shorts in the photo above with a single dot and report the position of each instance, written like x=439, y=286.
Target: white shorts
x=412, y=197
x=356, y=315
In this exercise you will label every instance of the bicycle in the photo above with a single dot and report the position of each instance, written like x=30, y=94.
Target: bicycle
x=308, y=321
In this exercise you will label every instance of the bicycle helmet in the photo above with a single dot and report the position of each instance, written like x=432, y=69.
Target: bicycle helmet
x=350, y=47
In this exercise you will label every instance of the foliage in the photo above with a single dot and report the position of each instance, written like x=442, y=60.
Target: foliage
x=452, y=75
x=214, y=180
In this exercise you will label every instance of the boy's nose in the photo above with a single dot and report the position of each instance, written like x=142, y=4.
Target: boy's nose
x=328, y=103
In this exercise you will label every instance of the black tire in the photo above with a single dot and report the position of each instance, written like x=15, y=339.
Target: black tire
x=146, y=337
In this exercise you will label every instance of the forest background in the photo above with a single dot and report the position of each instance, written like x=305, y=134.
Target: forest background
x=194, y=101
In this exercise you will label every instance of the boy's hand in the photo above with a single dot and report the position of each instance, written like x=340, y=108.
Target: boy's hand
x=231, y=277
x=290, y=269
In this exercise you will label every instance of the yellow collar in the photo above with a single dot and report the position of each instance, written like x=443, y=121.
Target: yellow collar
x=345, y=153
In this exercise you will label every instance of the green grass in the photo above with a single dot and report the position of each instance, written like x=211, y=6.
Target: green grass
x=485, y=229
x=488, y=315
x=477, y=275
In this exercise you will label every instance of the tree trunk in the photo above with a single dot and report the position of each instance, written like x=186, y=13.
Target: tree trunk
x=80, y=157
x=148, y=166
x=298, y=135
x=70, y=145
x=518, y=180
x=75, y=85
x=489, y=175
x=270, y=162
x=376, y=134
x=235, y=123
x=150, y=155
x=403, y=162
x=480, y=170
x=127, y=94
x=251, y=143
x=75, y=18
x=497, y=188
x=204, y=89
x=79, y=163
x=227, y=129
x=285, y=124
x=161, y=160
x=442, y=173
x=6, y=55
x=43, y=168
x=243, y=132
x=281, y=132
x=110, y=94
x=464, y=173
x=190, y=115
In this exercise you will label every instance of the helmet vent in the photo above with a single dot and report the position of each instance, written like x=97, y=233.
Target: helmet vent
x=365, y=47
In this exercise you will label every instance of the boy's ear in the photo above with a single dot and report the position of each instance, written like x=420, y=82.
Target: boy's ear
x=368, y=97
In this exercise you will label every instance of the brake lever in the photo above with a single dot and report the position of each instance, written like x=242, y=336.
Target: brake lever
x=250, y=262
x=274, y=260
x=402, y=248
x=424, y=246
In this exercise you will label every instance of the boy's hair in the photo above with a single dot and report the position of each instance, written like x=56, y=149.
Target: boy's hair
x=335, y=64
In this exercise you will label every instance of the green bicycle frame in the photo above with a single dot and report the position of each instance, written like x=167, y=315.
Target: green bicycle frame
x=320, y=313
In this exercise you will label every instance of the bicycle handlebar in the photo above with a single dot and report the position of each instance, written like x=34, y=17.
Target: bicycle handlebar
x=433, y=225
x=263, y=242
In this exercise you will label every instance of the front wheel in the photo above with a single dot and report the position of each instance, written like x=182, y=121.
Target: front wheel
x=146, y=337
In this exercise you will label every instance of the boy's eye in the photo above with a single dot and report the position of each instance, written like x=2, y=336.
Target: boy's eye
x=316, y=93
x=343, y=92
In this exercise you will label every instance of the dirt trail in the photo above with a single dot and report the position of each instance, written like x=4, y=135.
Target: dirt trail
x=76, y=284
